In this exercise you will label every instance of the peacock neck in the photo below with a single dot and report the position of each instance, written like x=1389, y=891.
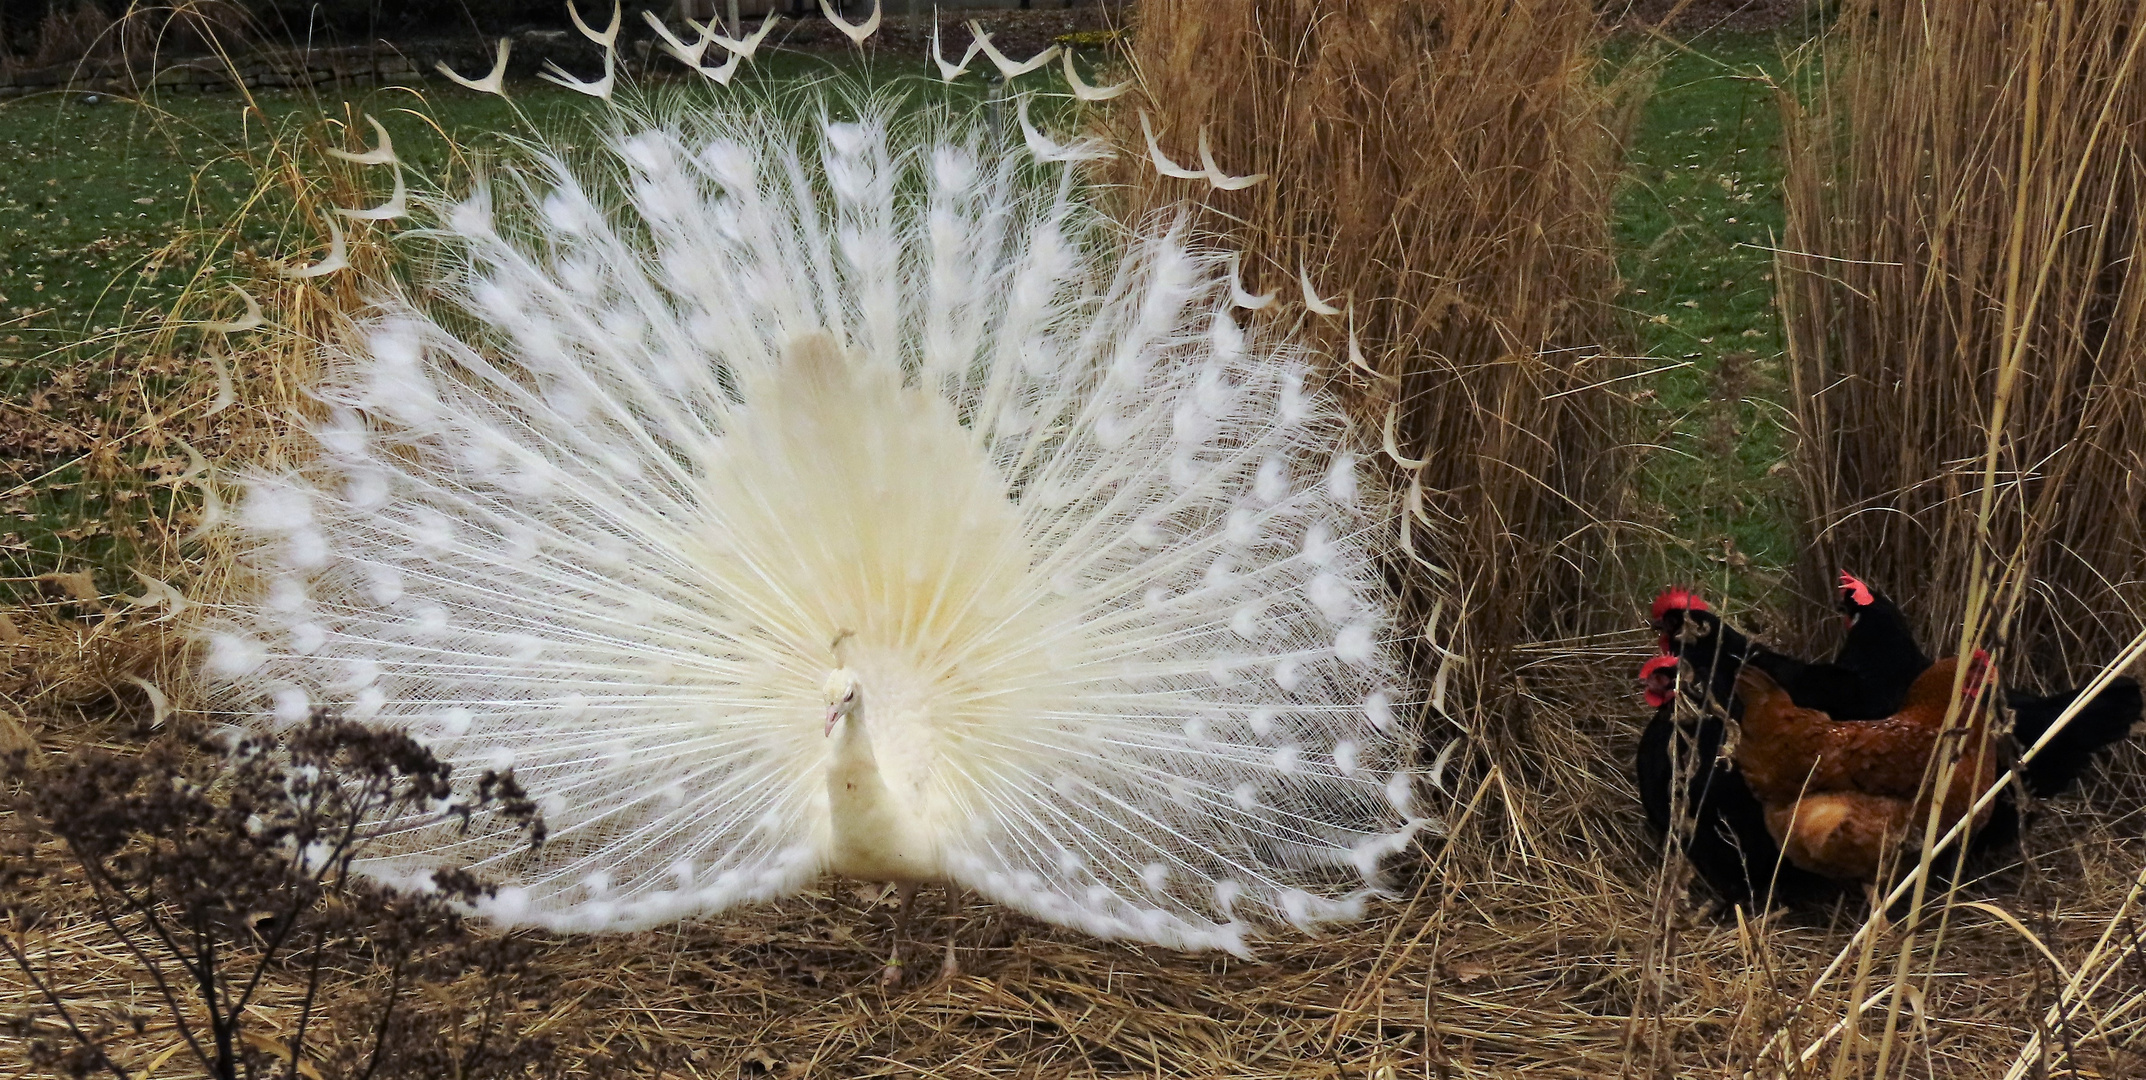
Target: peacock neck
x=852, y=761
x=876, y=836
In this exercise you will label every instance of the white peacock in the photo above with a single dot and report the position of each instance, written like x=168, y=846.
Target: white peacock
x=784, y=497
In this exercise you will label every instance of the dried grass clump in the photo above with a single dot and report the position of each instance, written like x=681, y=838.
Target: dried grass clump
x=251, y=322
x=1966, y=309
x=1968, y=372
x=1442, y=170
x=70, y=34
x=142, y=34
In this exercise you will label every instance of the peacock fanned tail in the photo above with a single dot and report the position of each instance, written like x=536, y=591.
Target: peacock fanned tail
x=709, y=397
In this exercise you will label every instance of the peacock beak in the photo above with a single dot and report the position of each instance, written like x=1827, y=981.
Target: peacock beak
x=834, y=713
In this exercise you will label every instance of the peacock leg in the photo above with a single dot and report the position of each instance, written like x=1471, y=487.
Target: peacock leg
x=954, y=896
x=905, y=895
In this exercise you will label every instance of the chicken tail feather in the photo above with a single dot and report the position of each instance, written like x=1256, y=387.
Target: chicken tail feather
x=2104, y=721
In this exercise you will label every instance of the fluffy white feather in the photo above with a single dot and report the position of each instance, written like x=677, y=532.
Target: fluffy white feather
x=745, y=386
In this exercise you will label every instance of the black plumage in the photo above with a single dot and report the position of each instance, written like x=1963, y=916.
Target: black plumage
x=1712, y=814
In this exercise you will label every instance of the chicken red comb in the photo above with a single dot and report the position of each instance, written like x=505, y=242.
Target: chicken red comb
x=1647, y=672
x=1978, y=673
x=1677, y=598
x=1856, y=592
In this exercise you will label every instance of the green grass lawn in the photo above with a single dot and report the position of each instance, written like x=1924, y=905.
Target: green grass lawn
x=1699, y=213
x=106, y=211
x=102, y=206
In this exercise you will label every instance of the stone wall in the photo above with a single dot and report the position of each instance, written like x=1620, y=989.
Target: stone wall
x=1019, y=32
x=348, y=66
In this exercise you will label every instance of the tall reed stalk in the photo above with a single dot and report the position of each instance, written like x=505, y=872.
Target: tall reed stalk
x=1968, y=369
x=1442, y=171
x=1962, y=285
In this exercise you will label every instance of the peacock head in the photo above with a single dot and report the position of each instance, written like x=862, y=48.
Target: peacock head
x=844, y=696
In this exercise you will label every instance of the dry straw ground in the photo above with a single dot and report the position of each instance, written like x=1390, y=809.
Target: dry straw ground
x=1449, y=174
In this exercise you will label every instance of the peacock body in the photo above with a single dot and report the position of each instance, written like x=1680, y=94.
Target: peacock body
x=781, y=497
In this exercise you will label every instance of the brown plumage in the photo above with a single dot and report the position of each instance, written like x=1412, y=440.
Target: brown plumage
x=1839, y=794
x=1839, y=834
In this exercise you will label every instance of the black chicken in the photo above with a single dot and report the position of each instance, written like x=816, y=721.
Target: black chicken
x=1714, y=816
x=1866, y=680
x=1878, y=651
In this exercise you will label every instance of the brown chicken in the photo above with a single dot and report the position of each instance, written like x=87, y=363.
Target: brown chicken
x=1839, y=794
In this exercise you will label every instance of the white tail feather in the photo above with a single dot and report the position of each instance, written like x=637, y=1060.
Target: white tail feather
x=1085, y=92
x=1222, y=180
x=745, y=47
x=1160, y=160
x=1312, y=299
x=950, y=72
x=1039, y=144
x=608, y=37
x=1109, y=589
x=249, y=321
x=383, y=154
x=338, y=257
x=397, y=204
x=596, y=88
x=689, y=55
x=856, y=32
x=494, y=81
x=1007, y=66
